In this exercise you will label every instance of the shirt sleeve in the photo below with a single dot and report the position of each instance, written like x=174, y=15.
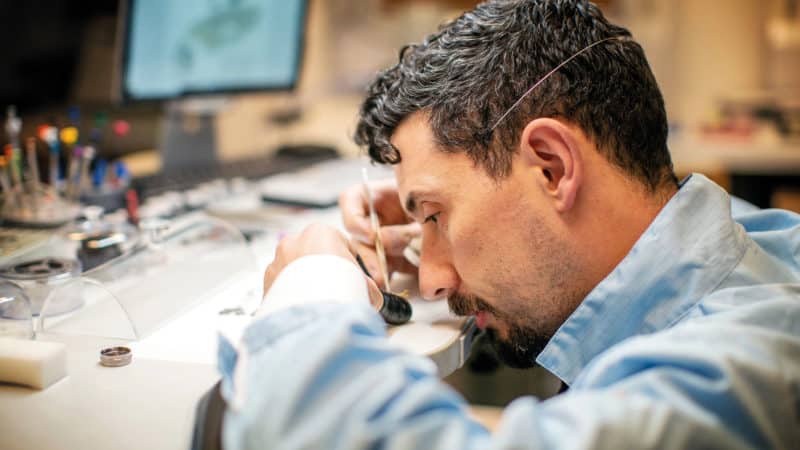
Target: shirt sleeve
x=777, y=232
x=323, y=375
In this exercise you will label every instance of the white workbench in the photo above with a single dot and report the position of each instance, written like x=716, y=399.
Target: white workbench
x=150, y=404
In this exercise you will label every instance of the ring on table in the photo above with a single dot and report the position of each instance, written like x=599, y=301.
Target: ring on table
x=115, y=356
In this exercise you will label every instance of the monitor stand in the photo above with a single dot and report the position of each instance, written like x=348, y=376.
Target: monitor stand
x=188, y=133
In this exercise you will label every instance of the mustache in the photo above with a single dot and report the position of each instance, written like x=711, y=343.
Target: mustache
x=466, y=304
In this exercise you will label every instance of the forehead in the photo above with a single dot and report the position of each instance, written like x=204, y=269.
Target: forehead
x=425, y=170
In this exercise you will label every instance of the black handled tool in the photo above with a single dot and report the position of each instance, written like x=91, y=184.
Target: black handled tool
x=395, y=309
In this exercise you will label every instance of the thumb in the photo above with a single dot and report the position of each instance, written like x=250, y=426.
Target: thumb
x=395, y=238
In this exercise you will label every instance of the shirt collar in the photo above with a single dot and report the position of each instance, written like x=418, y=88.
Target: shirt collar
x=688, y=249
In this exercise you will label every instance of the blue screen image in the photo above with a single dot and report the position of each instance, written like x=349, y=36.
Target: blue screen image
x=179, y=47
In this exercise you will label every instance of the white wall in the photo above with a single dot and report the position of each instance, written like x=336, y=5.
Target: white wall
x=700, y=50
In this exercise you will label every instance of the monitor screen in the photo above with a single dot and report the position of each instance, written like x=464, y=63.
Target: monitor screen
x=178, y=48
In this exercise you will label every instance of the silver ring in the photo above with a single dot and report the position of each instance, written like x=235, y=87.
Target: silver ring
x=115, y=356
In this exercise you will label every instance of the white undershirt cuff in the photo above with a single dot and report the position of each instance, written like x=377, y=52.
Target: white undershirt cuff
x=313, y=279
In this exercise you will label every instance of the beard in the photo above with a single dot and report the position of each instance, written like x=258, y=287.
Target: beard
x=523, y=344
x=520, y=349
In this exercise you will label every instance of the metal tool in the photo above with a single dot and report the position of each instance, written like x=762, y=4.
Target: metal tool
x=373, y=216
x=83, y=177
x=33, y=167
x=395, y=309
x=49, y=135
x=69, y=136
x=6, y=184
x=12, y=158
x=13, y=126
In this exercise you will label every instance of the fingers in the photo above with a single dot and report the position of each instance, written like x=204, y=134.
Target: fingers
x=396, y=263
x=395, y=238
x=370, y=259
x=355, y=213
x=375, y=295
x=355, y=209
x=319, y=239
x=402, y=265
x=315, y=239
x=269, y=277
x=396, y=230
x=274, y=267
x=322, y=239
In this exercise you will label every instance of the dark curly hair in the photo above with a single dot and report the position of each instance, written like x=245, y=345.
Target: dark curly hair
x=466, y=75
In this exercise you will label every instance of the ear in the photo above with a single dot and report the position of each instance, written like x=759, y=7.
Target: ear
x=552, y=150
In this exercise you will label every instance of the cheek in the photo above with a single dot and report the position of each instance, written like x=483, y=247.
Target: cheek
x=488, y=247
x=468, y=245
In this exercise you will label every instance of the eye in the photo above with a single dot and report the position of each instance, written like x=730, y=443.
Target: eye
x=432, y=218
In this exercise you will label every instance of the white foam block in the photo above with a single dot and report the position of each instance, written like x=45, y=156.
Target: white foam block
x=32, y=363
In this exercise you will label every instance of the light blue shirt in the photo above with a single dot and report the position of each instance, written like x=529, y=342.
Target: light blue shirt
x=692, y=341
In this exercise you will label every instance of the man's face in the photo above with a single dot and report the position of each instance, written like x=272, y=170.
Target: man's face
x=494, y=247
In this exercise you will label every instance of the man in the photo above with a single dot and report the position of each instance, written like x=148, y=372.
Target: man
x=528, y=139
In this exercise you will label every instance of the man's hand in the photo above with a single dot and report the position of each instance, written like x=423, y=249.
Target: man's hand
x=316, y=239
x=396, y=229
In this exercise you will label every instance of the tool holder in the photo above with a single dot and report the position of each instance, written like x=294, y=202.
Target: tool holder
x=42, y=208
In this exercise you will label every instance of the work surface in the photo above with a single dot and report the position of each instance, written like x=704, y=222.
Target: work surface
x=151, y=402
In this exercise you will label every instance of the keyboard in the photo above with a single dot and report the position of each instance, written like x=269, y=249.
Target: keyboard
x=319, y=186
x=285, y=160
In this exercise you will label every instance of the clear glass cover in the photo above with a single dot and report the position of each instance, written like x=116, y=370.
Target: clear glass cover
x=16, y=316
x=101, y=313
x=96, y=241
x=39, y=277
x=174, y=266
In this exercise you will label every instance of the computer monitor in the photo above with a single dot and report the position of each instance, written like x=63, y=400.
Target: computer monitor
x=181, y=50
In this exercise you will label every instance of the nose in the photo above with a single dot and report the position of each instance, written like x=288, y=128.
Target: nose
x=437, y=276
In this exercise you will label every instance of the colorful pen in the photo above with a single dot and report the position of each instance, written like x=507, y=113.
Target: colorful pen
x=49, y=134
